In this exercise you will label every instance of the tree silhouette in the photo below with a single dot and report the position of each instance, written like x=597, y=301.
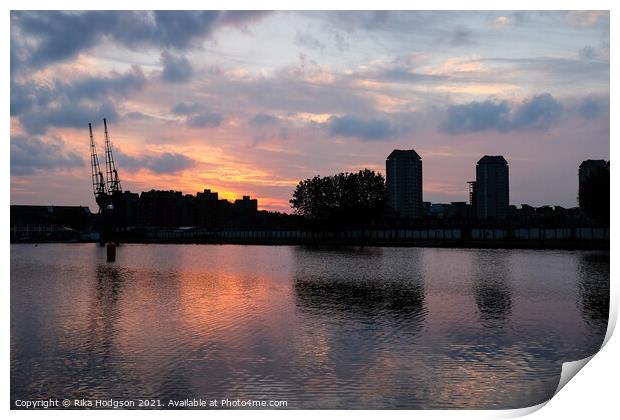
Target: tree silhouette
x=344, y=199
x=594, y=196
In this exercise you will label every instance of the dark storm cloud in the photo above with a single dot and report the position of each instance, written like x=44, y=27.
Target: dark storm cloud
x=590, y=53
x=263, y=119
x=128, y=162
x=170, y=163
x=476, y=116
x=198, y=115
x=69, y=115
x=95, y=87
x=176, y=68
x=537, y=113
x=591, y=109
x=31, y=154
x=204, y=119
x=164, y=163
x=71, y=103
x=25, y=96
x=40, y=38
x=351, y=126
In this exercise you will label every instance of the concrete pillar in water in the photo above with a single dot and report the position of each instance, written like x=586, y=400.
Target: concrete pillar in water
x=111, y=252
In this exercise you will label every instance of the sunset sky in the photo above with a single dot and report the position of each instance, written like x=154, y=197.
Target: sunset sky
x=249, y=103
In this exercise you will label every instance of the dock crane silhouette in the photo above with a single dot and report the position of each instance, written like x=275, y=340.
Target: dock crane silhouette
x=108, y=191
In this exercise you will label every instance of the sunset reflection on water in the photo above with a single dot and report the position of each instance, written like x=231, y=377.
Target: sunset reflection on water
x=318, y=327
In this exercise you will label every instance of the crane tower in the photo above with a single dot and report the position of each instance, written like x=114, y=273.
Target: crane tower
x=108, y=191
x=99, y=185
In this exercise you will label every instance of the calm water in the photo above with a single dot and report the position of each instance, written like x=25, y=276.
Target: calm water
x=320, y=328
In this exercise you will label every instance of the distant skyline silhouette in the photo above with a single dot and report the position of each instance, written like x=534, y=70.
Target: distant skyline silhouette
x=251, y=103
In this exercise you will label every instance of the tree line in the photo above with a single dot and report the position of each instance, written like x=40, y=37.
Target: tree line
x=344, y=199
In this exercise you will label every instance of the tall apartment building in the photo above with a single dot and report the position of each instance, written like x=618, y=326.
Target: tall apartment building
x=491, y=188
x=404, y=182
x=589, y=168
